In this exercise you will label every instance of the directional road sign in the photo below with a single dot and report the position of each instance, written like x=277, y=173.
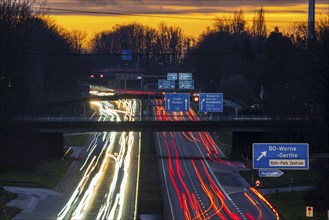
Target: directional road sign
x=270, y=173
x=186, y=84
x=166, y=84
x=185, y=76
x=127, y=54
x=286, y=156
x=171, y=76
x=177, y=102
x=211, y=102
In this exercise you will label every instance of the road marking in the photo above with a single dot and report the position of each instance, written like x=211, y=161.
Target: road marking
x=165, y=179
x=216, y=180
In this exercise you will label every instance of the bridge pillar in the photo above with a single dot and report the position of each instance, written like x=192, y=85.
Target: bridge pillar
x=55, y=143
x=242, y=142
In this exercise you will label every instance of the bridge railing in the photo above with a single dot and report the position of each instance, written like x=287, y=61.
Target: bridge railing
x=155, y=118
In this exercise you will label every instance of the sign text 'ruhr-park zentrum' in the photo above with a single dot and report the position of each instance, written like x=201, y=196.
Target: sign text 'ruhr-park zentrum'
x=288, y=156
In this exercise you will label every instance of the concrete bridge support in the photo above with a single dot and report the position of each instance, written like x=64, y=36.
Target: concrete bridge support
x=55, y=143
x=242, y=142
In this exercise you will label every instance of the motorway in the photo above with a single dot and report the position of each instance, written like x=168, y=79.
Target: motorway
x=198, y=182
x=109, y=176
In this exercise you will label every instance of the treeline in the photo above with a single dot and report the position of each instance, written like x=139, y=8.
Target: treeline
x=151, y=47
x=244, y=61
x=232, y=56
x=37, y=66
x=279, y=73
x=36, y=62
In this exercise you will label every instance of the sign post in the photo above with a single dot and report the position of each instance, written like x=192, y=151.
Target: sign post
x=288, y=156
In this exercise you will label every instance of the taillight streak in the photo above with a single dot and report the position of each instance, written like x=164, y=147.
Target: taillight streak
x=266, y=202
x=252, y=202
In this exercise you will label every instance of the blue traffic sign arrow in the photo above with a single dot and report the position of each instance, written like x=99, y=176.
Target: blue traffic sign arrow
x=171, y=76
x=185, y=76
x=186, y=84
x=288, y=156
x=270, y=173
x=177, y=102
x=211, y=102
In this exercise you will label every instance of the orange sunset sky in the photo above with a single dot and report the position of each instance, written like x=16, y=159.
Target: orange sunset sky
x=193, y=16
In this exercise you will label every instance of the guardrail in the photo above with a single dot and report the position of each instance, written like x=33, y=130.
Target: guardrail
x=155, y=118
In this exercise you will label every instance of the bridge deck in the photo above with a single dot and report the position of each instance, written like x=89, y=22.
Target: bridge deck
x=234, y=125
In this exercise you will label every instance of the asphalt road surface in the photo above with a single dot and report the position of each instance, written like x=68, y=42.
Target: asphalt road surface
x=199, y=183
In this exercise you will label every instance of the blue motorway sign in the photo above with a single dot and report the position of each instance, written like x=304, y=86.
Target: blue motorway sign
x=186, y=84
x=270, y=173
x=177, y=102
x=166, y=84
x=286, y=156
x=171, y=76
x=211, y=102
x=127, y=54
x=185, y=76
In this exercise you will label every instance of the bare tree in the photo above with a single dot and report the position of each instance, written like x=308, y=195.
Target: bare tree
x=78, y=40
x=238, y=23
x=258, y=28
x=298, y=33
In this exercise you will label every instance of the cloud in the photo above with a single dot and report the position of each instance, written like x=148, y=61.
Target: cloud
x=183, y=6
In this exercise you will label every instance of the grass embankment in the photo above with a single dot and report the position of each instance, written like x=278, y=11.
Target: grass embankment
x=224, y=141
x=290, y=177
x=149, y=191
x=292, y=205
x=149, y=195
x=75, y=140
x=7, y=212
x=46, y=173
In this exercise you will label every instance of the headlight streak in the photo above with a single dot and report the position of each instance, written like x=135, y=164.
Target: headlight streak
x=62, y=214
x=113, y=204
x=92, y=115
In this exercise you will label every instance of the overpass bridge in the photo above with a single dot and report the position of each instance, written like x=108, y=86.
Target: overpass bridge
x=245, y=129
x=206, y=123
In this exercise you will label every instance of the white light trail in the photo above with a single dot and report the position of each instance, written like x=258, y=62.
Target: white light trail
x=113, y=204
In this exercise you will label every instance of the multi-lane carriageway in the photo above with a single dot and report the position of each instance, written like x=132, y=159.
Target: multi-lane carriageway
x=192, y=190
